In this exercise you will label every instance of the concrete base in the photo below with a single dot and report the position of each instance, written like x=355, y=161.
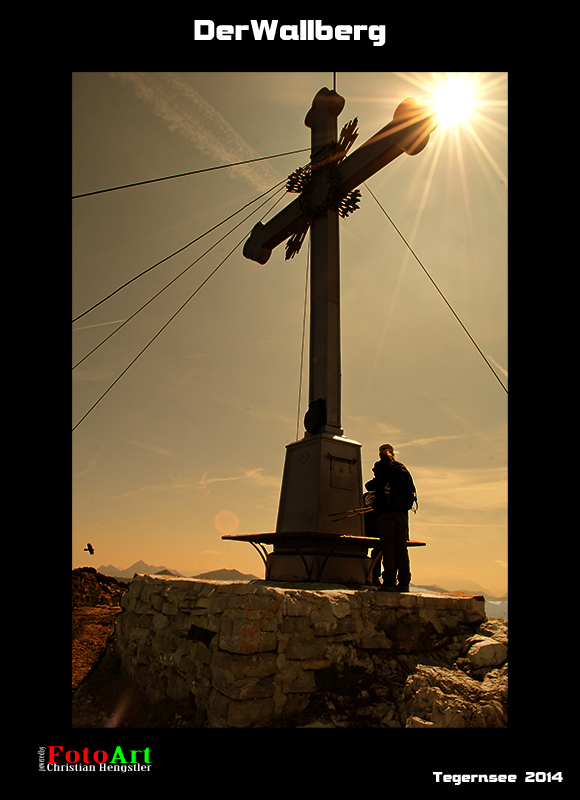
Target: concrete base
x=322, y=481
x=322, y=477
x=340, y=567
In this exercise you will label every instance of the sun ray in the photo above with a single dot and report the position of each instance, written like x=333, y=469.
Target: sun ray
x=463, y=101
x=477, y=116
x=485, y=152
x=463, y=107
x=492, y=83
x=382, y=337
x=419, y=82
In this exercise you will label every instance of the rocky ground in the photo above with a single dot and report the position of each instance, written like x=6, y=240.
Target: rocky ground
x=464, y=686
x=101, y=694
x=99, y=689
x=95, y=605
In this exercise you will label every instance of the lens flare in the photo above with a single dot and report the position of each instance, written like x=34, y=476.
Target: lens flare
x=226, y=522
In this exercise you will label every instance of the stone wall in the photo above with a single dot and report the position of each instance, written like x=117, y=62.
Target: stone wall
x=252, y=653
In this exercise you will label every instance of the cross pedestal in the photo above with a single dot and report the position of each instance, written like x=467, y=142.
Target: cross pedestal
x=322, y=472
x=322, y=477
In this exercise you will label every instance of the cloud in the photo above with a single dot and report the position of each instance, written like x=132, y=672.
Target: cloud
x=387, y=429
x=430, y=440
x=155, y=488
x=187, y=113
x=94, y=375
x=161, y=450
x=467, y=489
x=89, y=468
x=256, y=477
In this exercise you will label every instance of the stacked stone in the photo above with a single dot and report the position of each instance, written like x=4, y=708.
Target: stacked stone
x=248, y=653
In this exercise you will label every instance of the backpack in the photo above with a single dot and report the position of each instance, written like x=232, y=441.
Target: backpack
x=400, y=492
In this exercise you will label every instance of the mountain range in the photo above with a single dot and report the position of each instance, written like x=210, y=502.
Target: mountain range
x=148, y=569
x=234, y=575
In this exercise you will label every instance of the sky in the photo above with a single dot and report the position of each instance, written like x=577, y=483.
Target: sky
x=189, y=443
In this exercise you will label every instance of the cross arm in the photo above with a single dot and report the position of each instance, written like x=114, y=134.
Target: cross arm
x=264, y=238
x=408, y=132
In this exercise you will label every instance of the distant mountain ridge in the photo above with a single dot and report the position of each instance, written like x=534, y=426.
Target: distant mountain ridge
x=148, y=569
x=234, y=575
x=470, y=587
x=140, y=567
x=227, y=575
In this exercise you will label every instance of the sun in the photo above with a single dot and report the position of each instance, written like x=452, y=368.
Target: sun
x=454, y=100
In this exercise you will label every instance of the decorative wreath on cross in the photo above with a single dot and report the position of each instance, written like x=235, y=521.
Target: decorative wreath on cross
x=299, y=182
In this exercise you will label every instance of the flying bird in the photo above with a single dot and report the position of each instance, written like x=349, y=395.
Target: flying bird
x=90, y=548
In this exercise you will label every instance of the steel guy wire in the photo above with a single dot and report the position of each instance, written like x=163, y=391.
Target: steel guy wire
x=438, y=289
x=96, y=403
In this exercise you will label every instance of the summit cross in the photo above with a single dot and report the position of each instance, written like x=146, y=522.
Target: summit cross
x=322, y=477
x=326, y=193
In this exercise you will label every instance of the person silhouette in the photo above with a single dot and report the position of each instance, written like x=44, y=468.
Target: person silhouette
x=395, y=495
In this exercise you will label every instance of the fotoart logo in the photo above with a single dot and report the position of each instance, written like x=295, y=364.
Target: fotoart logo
x=57, y=759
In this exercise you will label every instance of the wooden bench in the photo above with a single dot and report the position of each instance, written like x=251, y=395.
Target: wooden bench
x=326, y=542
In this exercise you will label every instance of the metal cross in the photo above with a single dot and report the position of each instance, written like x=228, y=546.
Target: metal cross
x=326, y=191
x=322, y=477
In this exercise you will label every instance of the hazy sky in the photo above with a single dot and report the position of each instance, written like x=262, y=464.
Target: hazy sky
x=190, y=442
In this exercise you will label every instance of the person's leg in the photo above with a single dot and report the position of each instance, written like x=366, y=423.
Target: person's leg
x=377, y=565
x=400, y=551
x=386, y=531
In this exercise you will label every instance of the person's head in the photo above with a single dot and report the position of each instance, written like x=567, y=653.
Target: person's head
x=386, y=452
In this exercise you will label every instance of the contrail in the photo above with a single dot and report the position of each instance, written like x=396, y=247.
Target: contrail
x=187, y=113
x=499, y=366
x=98, y=325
